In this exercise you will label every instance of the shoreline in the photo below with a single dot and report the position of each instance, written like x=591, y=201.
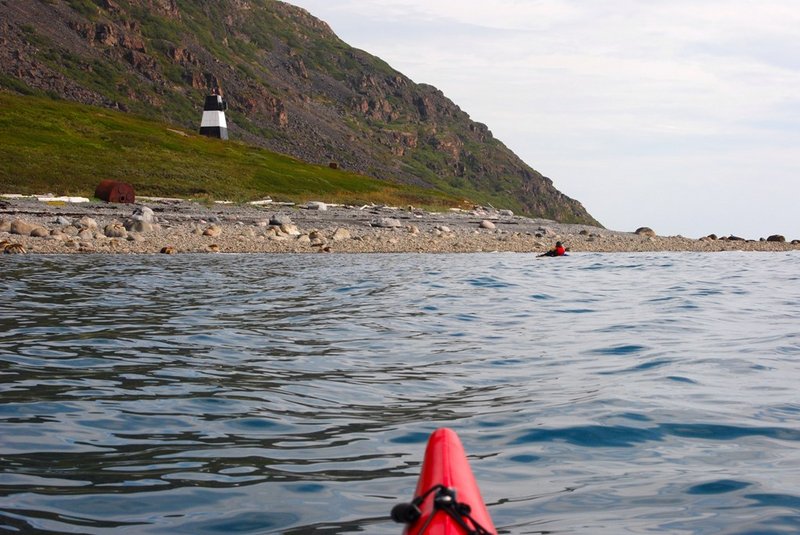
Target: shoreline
x=53, y=226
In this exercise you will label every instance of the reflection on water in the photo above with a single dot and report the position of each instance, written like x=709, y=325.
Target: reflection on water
x=294, y=394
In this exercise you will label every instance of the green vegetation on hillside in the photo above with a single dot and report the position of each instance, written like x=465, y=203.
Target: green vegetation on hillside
x=52, y=146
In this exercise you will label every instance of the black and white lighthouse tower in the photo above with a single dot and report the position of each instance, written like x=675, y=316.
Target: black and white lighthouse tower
x=213, y=123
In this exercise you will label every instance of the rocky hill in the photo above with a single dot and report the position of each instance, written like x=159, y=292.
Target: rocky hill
x=291, y=84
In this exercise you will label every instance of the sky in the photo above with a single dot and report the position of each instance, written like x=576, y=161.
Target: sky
x=679, y=115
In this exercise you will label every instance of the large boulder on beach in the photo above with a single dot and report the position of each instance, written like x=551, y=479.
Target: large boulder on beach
x=132, y=225
x=546, y=232
x=776, y=238
x=23, y=228
x=280, y=219
x=5, y=225
x=646, y=231
x=386, y=222
x=115, y=230
x=488, y=225
x=213, y=231
x=143, y=213
x=39, y=232
x=290, y=230
x=341, y=234
x=86, y=222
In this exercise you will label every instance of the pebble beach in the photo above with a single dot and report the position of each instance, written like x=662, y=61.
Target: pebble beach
x=34, y=225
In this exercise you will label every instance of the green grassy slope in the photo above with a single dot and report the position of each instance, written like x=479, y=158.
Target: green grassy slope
x=65, y=148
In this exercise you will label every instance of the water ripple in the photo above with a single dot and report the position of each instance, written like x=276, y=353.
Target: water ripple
x=294, y=394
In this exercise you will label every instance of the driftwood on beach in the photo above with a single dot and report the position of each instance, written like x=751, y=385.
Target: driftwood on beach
x=177, y=226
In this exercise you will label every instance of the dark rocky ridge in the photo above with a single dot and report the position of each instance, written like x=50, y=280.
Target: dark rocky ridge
x=292, y=85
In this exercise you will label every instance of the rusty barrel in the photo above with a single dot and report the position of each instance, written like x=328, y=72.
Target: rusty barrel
x=113, y=191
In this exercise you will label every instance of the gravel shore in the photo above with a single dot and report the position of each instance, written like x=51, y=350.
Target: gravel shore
x=179, y=226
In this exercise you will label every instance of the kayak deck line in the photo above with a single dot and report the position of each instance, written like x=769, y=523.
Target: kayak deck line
x=447, y=500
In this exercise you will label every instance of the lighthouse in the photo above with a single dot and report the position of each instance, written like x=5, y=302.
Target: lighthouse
x=213, y=123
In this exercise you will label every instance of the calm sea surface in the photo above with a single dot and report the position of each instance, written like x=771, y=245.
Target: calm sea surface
x=254, y=394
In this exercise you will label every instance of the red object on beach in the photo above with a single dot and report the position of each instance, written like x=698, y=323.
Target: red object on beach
x=441, y=511
x=113, y=191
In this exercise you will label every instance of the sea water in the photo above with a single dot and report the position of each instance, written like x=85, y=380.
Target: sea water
x=211, y=394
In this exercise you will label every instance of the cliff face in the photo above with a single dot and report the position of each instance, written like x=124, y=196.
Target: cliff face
x=292, y=86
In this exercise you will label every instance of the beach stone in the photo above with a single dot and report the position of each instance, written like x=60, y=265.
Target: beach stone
x=645, y=231
x=168, y=250
x=23, y=228
x=70, y=230
x=138, y=226
x=213, y=248
x=280, y=219
x=776, y=238
x=214, y=231
x=488, y=225
x=341, y=234
x=290, y=229
x=304, y=238
x=40, y=232
x=317, y=205
x=444, y=229
x=135, y=237
x=63, y=221
x=86, y=234
x=543, y=232
x=115, y=230
x=143, y=213
x=506, y=213
x=734, y=238
x=413, y=229
x=712, y=237
x=86, y=222
x=5, y=225
x=386, y=222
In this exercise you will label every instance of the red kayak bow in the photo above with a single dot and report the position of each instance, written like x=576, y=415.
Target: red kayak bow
x=447, y=500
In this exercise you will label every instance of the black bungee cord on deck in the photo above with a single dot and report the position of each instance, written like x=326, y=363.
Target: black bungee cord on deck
x=444, y=500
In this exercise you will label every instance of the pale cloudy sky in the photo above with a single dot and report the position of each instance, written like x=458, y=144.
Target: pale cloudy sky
x=681, y=115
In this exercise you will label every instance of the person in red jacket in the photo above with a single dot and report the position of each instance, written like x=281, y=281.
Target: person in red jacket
x=558, y=250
